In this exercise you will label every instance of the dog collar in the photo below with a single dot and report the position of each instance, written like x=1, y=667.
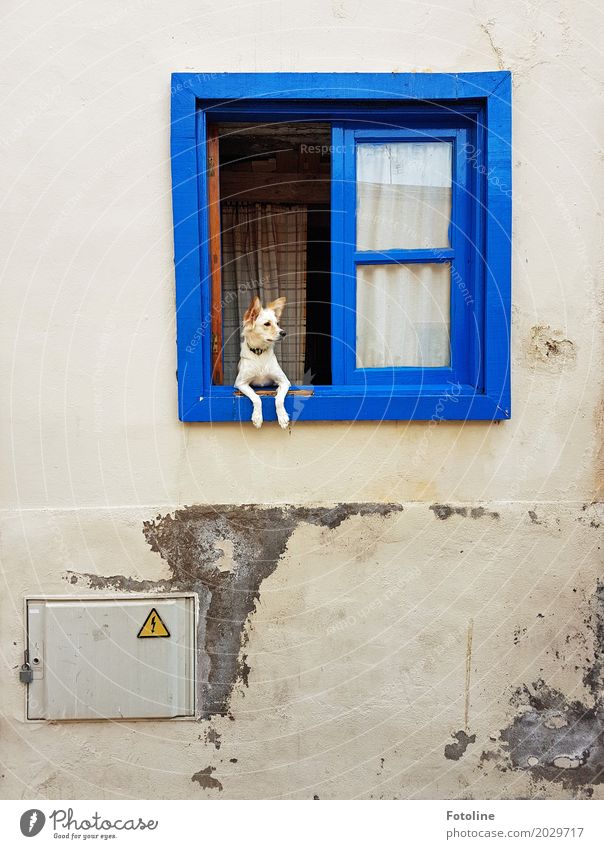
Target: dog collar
x=257, y=351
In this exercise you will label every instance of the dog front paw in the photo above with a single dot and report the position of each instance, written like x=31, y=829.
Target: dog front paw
x=283, y=419
x=257, y=418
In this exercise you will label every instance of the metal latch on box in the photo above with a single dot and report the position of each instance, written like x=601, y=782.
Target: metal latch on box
x=26, y=675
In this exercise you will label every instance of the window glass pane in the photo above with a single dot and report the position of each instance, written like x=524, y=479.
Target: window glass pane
x=403, y=315
x=403, y=195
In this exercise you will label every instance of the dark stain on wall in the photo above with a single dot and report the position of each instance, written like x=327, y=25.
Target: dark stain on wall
x=259, y=536
x=212, y=736
x=593, y=674
x=454, y=751
x=205, y=779
x=557, y=738
x=192, y=542
x=445, y=511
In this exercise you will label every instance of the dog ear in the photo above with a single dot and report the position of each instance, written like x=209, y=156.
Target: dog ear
x=277, y=306
x=252, y=312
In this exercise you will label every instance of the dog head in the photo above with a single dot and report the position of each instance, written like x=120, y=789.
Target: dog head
x=262, y=323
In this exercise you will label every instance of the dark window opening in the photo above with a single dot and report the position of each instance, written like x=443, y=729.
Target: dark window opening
x=270, y=205
x=318, y=296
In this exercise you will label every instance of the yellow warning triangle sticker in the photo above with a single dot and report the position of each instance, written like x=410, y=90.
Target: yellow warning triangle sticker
x=153, y=626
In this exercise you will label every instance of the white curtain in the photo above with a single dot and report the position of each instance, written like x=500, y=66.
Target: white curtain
x=403, y=315
x=403, y=195
x=403, y=202
x=264, y=254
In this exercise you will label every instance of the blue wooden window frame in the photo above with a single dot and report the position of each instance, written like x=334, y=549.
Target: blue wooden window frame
x=474, y=111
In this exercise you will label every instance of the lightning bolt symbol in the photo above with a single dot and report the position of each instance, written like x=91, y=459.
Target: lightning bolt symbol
x=153, y=624
x=32, y=820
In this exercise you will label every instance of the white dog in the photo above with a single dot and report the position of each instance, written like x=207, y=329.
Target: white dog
x=258, y=363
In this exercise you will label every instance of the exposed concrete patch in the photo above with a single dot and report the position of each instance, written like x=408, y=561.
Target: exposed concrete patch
x=550, y=348
x=212, y=736
x=593, y=675
x=259, y=536
x=479, y=512
x=445, y=511
x=205, y=779
x=193, y=542
x=555, y=739
x=487, y=756
x=454, y=751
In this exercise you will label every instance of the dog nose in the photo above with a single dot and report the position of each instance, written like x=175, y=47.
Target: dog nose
x=282, y=333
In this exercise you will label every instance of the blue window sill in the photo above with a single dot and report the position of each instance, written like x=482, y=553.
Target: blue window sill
x=332, y=403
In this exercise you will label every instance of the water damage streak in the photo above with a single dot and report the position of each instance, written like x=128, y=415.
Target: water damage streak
x=193, y=542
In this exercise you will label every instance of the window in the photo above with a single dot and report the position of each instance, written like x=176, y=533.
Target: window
x=380, y=206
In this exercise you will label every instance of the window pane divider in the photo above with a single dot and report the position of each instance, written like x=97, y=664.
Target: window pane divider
x=404, y=256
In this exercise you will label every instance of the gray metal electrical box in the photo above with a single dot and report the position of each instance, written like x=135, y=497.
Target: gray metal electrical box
x=119, y=657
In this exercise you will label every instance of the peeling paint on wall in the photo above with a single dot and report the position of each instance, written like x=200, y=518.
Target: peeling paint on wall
x=554, y=737
x=454, y=751
x=259, y=536
x=193, y=542
x=593, y=674
x=205, y=779
x=550, y=348
x=445, y=511
x=213, y=737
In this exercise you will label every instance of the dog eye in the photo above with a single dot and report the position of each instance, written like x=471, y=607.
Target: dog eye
x=267, y=324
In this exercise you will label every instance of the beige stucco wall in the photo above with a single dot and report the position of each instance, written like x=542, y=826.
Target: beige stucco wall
x=92, y=447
